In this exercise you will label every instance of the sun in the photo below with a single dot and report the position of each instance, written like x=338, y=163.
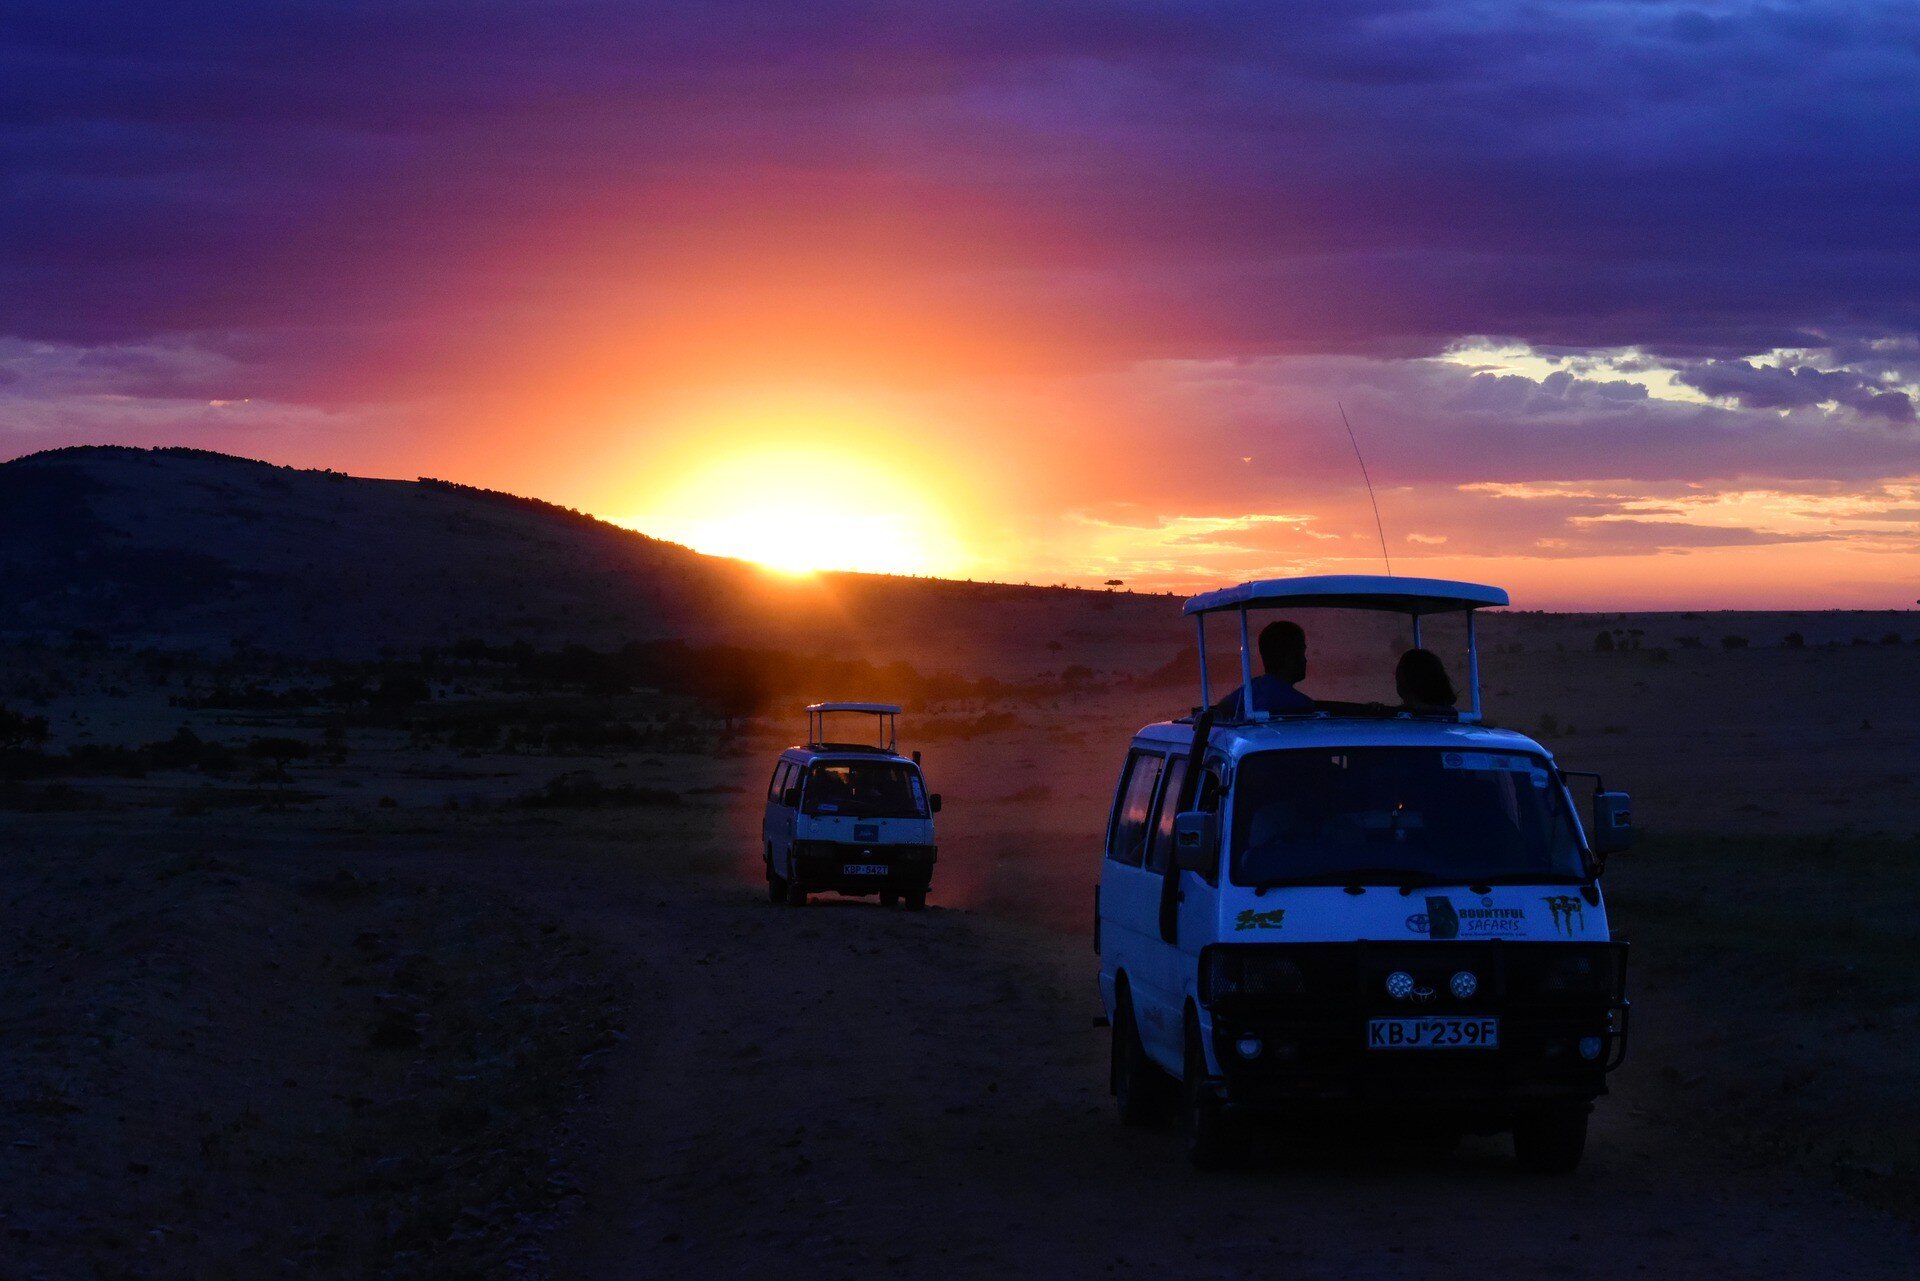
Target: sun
x=805, y=506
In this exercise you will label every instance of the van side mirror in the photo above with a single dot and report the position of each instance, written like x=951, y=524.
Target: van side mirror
x=933, y=803
x=1612, y=823
x=1196, y=841
x=791, y=798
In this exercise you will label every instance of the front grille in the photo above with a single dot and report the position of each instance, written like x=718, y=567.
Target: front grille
x=1353, y=976
x=856, y=851
x=1547, y=996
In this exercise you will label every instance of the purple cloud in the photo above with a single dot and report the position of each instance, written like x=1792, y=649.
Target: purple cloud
x=1372, y=176
x=1791, y=386
x=1219, y=217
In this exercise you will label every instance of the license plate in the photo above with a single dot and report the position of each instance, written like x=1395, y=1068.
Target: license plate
x=864, y=869
x=1444, y=1033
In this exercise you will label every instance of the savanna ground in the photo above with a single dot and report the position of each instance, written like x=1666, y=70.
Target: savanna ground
x=466, y=971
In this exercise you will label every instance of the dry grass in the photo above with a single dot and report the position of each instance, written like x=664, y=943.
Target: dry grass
x=274, y=1059
x=1776, y=992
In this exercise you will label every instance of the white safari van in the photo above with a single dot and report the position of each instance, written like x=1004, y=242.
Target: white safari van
x=854, y=818
x=1356, y=907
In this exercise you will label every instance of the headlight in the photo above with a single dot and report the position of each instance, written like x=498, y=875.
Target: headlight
x=1264, y=974
x=1558, y=970
x=1399, y=985
x=1250, y=971
x=1572, y=973
x=1220, y=976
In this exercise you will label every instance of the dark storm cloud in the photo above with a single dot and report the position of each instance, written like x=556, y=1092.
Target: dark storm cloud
x=1788, y=386
x=305, y=186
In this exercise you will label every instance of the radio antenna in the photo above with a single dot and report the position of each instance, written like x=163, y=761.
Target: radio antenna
x=1378, y=527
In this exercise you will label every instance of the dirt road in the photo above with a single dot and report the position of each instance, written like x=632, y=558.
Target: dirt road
x=842, y=1090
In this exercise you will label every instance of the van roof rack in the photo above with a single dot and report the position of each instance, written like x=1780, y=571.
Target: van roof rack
x=1382, y=593
x=1387, y=594
x=889, y=723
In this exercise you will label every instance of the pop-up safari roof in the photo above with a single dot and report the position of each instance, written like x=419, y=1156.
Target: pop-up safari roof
x=1382, y=593
x=817, y=713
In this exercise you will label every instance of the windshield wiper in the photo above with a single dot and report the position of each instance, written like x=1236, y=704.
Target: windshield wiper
x=1411, y=878
x=1526, y=878
x=1400, y=876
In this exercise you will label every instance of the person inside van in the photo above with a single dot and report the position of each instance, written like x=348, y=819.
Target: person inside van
x=1421, y=681
x=1283, y=652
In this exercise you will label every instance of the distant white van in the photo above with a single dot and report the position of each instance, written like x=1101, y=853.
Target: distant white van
x=854, y=818
x=1354, y=907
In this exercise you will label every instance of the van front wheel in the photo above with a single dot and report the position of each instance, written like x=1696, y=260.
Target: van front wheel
x=1214, y=1140
x=1551, y=1142
x=1141, y=1090
x=916, y=899
x=796, y=894
x=776, y=888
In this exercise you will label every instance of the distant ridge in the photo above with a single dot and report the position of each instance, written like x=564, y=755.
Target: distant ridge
x=189, y=548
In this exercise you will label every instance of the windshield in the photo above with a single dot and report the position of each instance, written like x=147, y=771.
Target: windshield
x=1400, y=815
x=865, y=789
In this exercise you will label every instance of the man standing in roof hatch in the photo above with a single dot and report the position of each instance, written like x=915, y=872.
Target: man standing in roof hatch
x=1283, y=653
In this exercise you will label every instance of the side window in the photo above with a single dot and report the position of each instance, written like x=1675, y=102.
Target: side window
x=1160, y=851
x=1207, y=795
x=779, y=783
x=1132, y=814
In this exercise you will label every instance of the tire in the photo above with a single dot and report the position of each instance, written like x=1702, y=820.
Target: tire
x=1214, y=1140
x=916, y=900
x=776, y=888
x=1551, y=1142
x=888, y=898
x=796, y=894
x=1141, y=1091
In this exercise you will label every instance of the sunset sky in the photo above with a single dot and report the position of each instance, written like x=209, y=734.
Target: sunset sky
x=1623, y=299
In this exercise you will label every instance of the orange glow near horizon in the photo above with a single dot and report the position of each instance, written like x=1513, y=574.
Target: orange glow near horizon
x=1081, y=478
x=804, y=489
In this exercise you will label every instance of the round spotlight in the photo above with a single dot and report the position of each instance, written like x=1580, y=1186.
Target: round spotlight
x=1249, y=1047
x=1399, y=985
x=1589, y=1047
x=1463, y=985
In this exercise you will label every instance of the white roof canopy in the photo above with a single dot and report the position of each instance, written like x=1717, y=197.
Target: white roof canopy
x=1415, y=596
x=1382, y=593
x=889, y=723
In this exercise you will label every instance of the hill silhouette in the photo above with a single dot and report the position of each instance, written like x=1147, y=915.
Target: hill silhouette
x=193, y=549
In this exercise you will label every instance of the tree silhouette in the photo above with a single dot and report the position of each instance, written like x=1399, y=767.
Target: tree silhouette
x=17, y=729
x=281, y=752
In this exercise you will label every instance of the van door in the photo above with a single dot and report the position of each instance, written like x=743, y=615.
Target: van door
x=1170, y=975
x=1198, y=909
x=776, y=825
x=1130, y=895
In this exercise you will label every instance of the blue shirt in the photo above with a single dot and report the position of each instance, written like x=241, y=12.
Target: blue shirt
x=1270, y=694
